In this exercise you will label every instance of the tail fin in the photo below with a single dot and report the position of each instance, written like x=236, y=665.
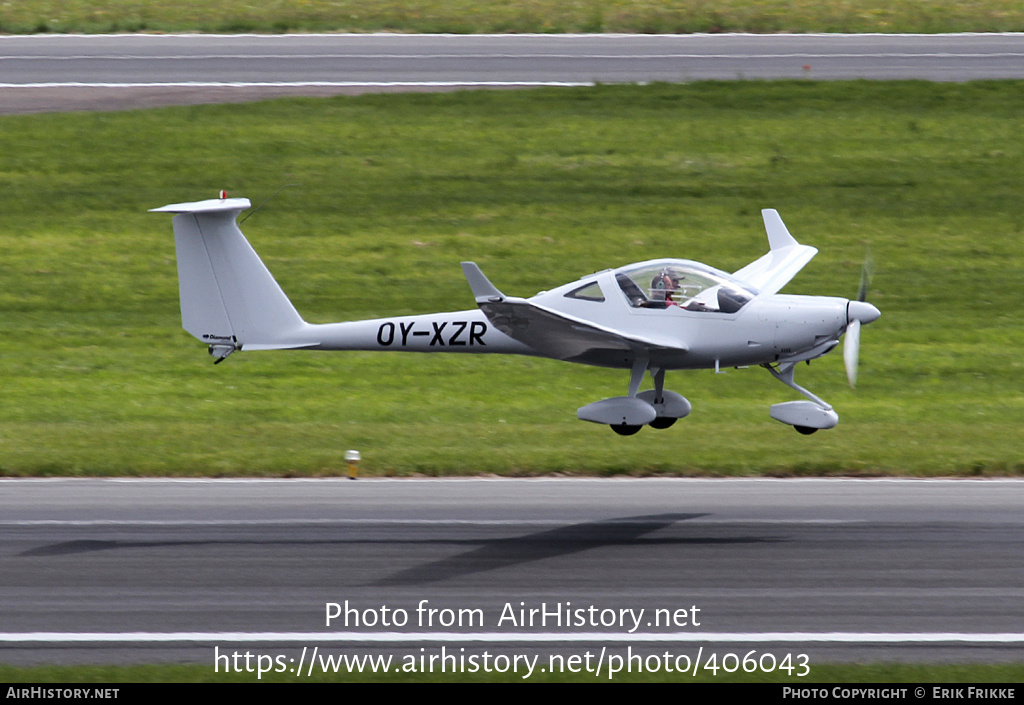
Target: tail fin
x=229, y=299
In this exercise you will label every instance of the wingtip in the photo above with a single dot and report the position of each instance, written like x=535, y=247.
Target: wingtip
x=778, y=233
x=483, y=290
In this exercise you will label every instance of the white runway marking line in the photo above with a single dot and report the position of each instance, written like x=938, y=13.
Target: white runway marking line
x=531, y=35
x=345, y=481
x=505, y=637
x=406, y=522
x=303, y=84
x=521, y=56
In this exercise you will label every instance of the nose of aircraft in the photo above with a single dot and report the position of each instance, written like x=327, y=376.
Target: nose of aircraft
x=862, y=311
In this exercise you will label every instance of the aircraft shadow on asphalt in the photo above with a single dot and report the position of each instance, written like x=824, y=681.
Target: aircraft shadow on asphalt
x=493, y=554
x=486, y=555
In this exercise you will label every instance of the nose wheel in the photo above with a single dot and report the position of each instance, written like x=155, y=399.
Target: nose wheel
x=805, y=416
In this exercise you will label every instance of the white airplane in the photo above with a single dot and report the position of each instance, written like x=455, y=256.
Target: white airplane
x=648, y=317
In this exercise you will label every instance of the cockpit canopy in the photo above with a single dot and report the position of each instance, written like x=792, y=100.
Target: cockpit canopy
x=689, y=285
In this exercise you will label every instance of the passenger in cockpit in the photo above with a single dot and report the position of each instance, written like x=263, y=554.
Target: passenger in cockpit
x=663, y=286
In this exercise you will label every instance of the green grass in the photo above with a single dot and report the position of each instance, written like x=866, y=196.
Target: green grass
x=823, y=673
x=539, y=187
x=463, y=16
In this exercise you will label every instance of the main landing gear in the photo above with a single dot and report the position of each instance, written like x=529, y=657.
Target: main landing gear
x=658, y=408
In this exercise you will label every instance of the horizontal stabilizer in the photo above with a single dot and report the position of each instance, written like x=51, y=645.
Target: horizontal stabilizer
x=214, y=205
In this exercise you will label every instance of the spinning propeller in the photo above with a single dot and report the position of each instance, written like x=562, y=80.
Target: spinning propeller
x=857, y=312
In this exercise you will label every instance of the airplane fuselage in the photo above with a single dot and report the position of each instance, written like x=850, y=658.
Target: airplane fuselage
x=766, y=330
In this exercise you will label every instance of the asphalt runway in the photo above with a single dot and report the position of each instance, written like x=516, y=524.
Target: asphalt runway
x=101, y=571
x=95, y=72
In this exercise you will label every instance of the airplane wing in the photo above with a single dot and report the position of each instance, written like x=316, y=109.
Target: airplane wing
x=553, y=333
x=785, y=258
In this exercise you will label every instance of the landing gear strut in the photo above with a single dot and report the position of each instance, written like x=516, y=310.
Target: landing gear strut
x=657, y=408
x=806, y=417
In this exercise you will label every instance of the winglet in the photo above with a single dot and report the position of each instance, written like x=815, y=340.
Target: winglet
x=785, y=258
x=778, y=233
x=483, y=290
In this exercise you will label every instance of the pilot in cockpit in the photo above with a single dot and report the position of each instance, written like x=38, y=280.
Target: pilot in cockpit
x=663, y=286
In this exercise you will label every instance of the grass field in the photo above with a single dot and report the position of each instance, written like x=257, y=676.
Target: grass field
x=462, y=16
x=539, y=187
